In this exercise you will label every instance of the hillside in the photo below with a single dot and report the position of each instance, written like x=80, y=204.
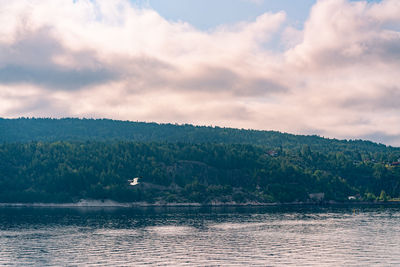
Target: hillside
x=46, y=160
x=71, y=129
x=64, y=172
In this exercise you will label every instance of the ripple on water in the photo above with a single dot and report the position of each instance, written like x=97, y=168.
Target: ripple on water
x=237, y=239
x=237, y=226
x=116, y=232
x=170, y=230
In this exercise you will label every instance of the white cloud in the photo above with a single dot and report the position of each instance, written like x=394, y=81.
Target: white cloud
x=337, y=77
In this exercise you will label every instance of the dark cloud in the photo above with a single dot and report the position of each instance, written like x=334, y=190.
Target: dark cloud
x=144, y=73
x=31, y=47
x=389, y=49
x=54, y=77
x=218, y=79
x=210, y=79
x=261, y=86
x=388, y=99
x=30, y=60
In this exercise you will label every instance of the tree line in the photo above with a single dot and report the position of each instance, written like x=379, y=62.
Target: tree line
x=105, y=130
x=67, y=171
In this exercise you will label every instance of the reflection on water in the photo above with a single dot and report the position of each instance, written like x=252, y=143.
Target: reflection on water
x=297, y=236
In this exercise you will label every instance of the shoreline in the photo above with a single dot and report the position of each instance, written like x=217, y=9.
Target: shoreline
x=113, y=204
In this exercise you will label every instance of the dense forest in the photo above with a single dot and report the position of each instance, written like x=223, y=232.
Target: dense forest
x=48, y=160
x=70, y=129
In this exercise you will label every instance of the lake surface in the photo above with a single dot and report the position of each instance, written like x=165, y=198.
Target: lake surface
x=268, y=236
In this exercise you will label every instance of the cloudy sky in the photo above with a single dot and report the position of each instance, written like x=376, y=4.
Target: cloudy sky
x=326, y=67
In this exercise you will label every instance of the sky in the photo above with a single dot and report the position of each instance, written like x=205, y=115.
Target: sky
x=324, y=67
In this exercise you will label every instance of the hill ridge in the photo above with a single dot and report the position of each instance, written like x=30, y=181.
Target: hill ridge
x=88, y=129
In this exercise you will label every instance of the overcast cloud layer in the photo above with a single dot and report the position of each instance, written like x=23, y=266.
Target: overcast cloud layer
x=338, y=77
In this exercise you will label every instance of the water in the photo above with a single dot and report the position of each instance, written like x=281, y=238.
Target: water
x=271, y=236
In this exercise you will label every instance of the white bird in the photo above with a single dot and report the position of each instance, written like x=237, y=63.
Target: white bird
x=134, y=182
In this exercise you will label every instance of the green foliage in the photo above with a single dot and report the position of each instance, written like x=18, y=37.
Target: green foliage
x=71, y=129
x=177, y=172
x=383, y=196
x=45, y=160
x=370, y=197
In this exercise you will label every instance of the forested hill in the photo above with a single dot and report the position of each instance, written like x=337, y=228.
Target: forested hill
x=71, y=129
x=64, y=160
x=203, y=173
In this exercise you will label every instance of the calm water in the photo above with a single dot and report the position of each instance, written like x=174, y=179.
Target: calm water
x=272, y=236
